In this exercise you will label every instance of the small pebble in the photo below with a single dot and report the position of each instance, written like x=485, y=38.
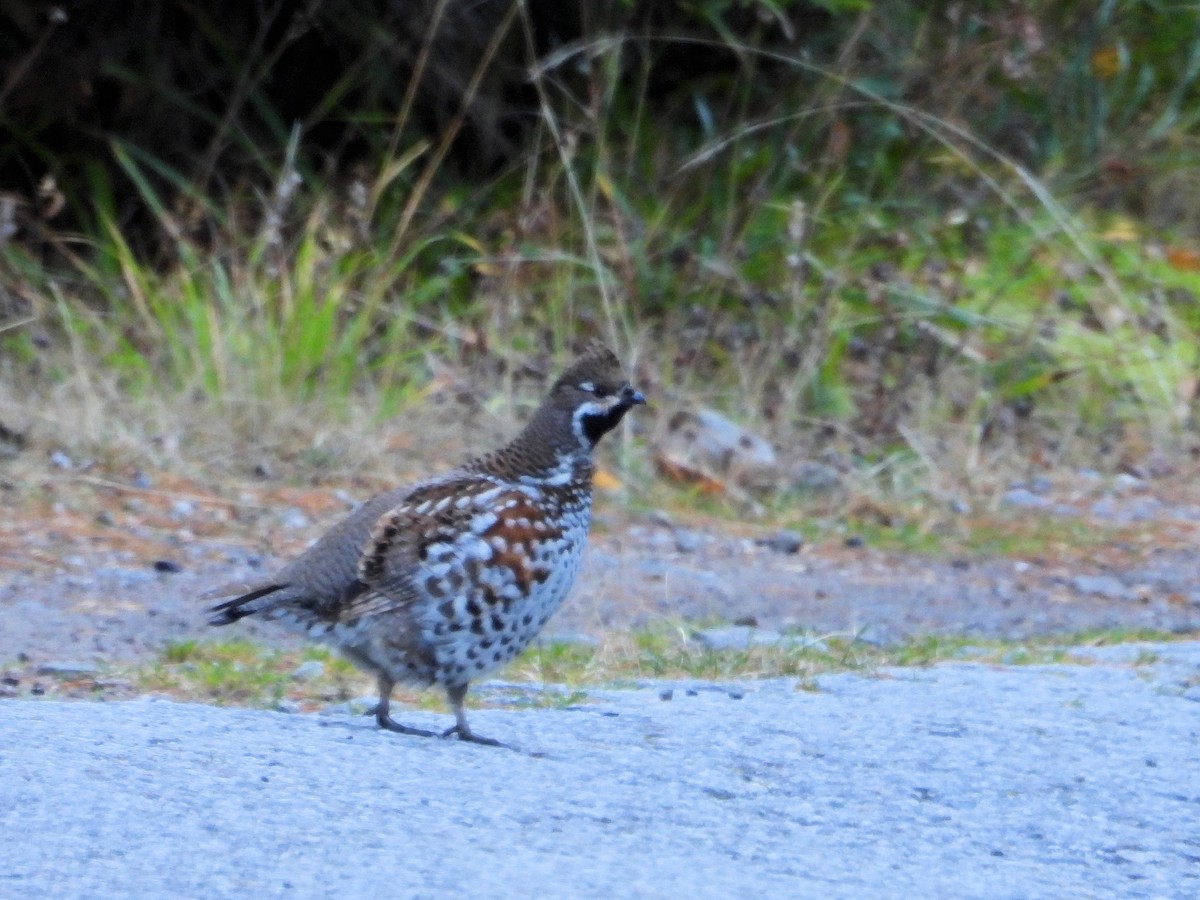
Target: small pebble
x=309, y=671
x=855, y=541
x=661, y=518
x=787, y=542
x=167, y=565
x=1024, y=497
x=67, y=669
x=1125, y=481
x=356, y=706
x=61, y=460
x=1039, y=484
x=293, y=518
x=686, y=541
x=1108, y=586
x=816, y=477
x=666, y=694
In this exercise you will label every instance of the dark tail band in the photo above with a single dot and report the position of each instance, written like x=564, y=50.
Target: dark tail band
x=240, y=607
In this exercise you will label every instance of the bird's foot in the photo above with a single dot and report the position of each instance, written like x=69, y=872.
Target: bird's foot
x=387, y=723
x=466, y=734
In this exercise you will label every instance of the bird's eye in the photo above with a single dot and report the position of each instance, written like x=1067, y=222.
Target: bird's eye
x=596, y=390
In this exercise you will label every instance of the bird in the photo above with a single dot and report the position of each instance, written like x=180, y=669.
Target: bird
x=441, y=582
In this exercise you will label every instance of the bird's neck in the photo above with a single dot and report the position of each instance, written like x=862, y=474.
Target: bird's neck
x=532, y=456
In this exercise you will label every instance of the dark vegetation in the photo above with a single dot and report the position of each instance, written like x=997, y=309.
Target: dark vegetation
x=916, y=238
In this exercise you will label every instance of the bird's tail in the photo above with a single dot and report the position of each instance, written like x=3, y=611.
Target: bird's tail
x=257, y=600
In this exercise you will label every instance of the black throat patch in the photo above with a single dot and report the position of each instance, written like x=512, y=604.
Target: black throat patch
x=598, y=425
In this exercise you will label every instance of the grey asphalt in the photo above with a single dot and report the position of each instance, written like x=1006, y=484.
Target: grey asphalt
x=961, y=780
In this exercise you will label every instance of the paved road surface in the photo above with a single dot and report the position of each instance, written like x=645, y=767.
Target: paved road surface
x=957, y=781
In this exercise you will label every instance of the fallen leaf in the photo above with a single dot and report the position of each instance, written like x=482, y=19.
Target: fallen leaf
x=607, y=481
x=1184, y=259
x=677, y=470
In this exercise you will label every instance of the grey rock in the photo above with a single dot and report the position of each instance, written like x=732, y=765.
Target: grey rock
x=816, y=477
x=1023, y=497
x=60, y=460
x=287, y=706
x=707, y=440
x=68, y=669
x=1126, y=482
x=355, y=706
x=294, y=519
x=183, y=509
x=661, y=518
x=1039, y=484
x=308, y=671
x=686, y=541
x=735, y=637
x=783, y=542
x=650, y=539
x=1107, y=586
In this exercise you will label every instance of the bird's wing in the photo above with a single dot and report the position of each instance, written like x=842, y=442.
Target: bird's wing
x=442, y=527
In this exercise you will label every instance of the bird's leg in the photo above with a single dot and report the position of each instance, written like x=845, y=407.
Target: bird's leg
x=387, y=722
x=461, y=728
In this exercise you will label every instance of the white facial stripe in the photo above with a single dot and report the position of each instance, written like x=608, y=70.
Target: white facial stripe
x=587, y=387
x=577, y=424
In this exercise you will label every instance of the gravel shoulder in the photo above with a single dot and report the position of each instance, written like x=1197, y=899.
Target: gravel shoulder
x=104, y=611
x=958, y=780
x=76, y=593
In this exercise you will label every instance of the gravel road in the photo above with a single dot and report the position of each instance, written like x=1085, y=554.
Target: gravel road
x=961, y=780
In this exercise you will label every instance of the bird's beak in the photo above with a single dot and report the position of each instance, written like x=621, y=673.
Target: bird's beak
x=630, y=397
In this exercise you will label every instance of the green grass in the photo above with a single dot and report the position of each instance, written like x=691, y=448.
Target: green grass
x=243, y=673
x=931, y=307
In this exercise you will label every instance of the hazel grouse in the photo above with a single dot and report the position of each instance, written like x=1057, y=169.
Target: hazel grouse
x=443, y=581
